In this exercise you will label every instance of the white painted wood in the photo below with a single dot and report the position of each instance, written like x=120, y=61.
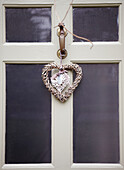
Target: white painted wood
x=87, y=166
x=28, y=166
x=62, y=114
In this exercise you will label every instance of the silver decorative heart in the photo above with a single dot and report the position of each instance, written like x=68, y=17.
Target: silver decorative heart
x=65, y=95
x=60, y=81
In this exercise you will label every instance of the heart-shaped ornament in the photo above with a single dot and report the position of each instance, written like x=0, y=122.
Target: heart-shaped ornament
x=60, y=80
x=57, y=88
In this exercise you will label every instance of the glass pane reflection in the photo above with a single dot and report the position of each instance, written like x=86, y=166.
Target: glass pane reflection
x=28, y=115
x=28, y=24
x=96, y=23
x=96, y=115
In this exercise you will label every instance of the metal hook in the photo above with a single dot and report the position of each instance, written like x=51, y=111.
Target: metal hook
x=62, y=33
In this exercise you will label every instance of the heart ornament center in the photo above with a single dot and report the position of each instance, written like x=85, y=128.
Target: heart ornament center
x=61, y=80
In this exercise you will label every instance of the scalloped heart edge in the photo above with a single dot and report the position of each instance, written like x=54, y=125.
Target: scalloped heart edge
x=62, y=97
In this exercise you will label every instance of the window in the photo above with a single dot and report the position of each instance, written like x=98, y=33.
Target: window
x=28, y=24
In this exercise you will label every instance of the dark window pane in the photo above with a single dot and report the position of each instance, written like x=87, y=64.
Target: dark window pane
x=28, y=24
x=28, y=115
x=96, y=23
x=96, y=115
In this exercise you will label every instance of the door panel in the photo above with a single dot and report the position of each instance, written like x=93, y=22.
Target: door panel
x=28, y=115
x=28, y=24
x=96, y=115
x=96, y=23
